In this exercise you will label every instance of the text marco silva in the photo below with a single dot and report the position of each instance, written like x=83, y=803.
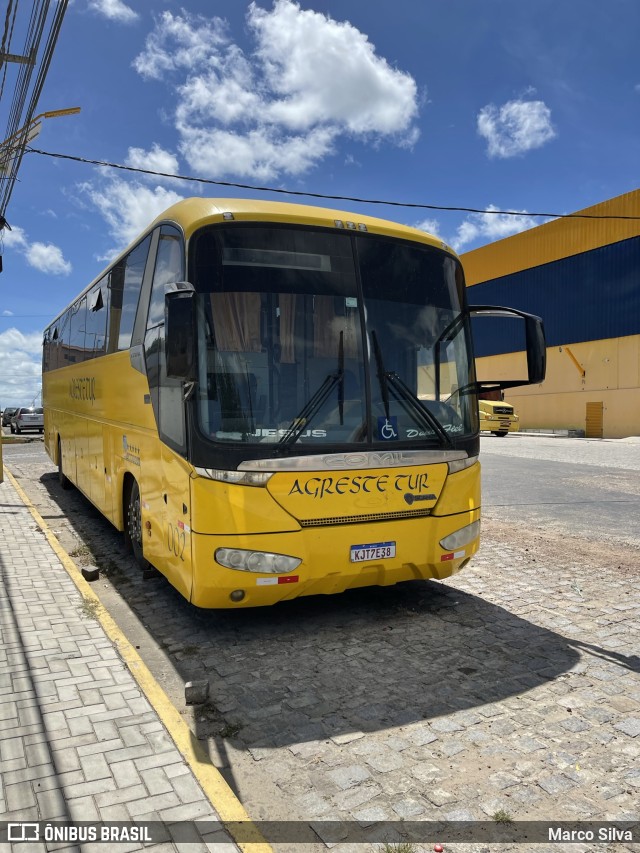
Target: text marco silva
x=602, y=833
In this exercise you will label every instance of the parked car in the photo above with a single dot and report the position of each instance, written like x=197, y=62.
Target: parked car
x=7, y=414
x=27, y=418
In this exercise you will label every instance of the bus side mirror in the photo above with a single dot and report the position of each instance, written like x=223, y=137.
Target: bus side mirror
x=180, y=332
x=536, y=349
x=535, y=344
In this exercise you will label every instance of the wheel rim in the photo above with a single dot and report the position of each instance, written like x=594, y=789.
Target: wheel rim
x=135, y=521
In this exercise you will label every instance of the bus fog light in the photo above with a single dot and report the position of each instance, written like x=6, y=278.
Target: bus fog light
x=260, y=562
x=461, y=537
x=237, y=595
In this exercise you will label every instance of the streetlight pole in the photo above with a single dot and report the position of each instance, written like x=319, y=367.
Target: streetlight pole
x=31, y=129
x=12, y=149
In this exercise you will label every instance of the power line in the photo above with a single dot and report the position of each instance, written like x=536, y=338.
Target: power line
x=106, y=163
x=12, y=155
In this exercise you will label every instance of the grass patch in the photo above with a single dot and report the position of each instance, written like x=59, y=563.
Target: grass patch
x=230, y=730
x=82, y=553
x=89, y=608
x=401, y=847
x=501, y=816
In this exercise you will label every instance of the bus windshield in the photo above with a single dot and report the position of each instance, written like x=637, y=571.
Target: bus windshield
x=315, y=337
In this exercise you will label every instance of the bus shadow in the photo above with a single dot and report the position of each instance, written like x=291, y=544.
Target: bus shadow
x=330, y=666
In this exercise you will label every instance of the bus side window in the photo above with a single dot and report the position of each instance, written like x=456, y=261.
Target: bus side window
x=76, y=335
x=46, y=350
x=96, y=320
x=125, y=281
x=169, y=269
x=64, y=332
x=54, y=348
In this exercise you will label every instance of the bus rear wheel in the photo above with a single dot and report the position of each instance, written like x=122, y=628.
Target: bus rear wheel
x=501, y=433
x=65, y=483
x=133, y=526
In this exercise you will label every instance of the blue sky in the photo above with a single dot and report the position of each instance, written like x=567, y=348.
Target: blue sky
x=502, y=104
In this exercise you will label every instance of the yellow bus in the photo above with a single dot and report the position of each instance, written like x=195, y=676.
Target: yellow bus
x=496, y=416
x=274, y=400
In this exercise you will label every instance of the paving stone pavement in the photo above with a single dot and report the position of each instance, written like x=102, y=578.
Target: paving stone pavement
x=512, y=689
x=78, y=739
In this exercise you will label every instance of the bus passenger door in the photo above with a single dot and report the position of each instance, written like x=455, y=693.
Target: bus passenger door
x=176, y=497
x=171, y=483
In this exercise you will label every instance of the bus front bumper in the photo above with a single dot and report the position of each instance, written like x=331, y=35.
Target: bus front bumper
x=333, y=559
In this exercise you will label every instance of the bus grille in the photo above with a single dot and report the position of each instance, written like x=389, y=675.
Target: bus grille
x=362, y=519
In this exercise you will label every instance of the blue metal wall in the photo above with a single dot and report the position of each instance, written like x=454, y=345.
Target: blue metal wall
x=585, y=297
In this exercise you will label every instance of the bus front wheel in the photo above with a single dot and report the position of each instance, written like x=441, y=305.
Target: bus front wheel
x=62, y=478
x=501, y=433
x=133, y=526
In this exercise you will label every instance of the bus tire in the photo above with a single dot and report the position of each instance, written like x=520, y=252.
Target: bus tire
x=501, y=433
x=64, y=481
x=133, y=526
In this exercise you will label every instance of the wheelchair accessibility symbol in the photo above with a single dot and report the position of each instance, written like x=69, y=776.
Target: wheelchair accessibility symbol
x=388, y=428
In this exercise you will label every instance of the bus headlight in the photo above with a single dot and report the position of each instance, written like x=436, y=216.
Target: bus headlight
x=242, y=478
x=261, y=562
x=461, y=537
x=461, y=464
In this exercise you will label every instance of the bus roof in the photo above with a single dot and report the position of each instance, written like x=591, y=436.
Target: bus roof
x=190, y=214
x=193, y=213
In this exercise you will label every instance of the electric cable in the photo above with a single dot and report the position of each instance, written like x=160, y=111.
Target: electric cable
x=255, y=188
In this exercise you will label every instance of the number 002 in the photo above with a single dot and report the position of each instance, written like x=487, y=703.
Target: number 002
x=176, y=540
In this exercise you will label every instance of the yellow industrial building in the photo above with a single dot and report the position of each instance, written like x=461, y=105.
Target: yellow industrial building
x=581, y=274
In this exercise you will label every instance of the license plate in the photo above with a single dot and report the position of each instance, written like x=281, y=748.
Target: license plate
x=372, y=551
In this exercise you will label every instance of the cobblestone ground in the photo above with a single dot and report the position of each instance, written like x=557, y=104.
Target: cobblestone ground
x=511, y=691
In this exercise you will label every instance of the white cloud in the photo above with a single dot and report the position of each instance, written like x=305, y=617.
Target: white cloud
x=431, y=226
x=7, y=313
x=156, y=160
x=491, y=226
x=277, y=110
x=180, y=43
x=515, y=127
x=15, y=239
x=128, y=208
x=48, y=259
x=21, y=385
x=114, y=10
x=44, y=257
x=255, y=153
x=280, y=109
x=320, y=70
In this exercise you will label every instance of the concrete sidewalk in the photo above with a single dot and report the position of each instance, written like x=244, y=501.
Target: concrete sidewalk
x=81, y=738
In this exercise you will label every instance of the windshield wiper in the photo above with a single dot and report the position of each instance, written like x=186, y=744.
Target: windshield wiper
x=315, y=403
x=405, y=396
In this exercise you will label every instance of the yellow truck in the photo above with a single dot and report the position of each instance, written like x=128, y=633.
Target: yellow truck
x=498, y=417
